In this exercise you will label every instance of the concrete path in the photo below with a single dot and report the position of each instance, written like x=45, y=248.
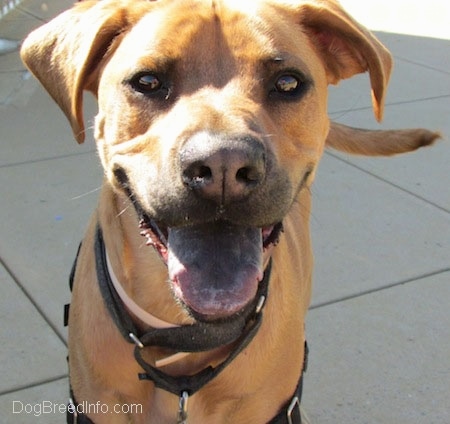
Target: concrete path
x=379, y=325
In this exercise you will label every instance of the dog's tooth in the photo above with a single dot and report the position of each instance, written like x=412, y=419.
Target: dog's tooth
x=144, y=231
x=143, y=224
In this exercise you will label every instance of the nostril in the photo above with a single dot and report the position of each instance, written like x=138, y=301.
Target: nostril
x=197, y=175
x=248, y=175
x=204, y=172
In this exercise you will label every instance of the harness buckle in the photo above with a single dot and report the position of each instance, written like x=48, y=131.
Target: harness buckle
x=136, y=340
x=182, y=408
x=293, y=406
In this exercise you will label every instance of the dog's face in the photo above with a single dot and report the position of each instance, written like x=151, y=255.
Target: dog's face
x=212, y=119
x=203, y=121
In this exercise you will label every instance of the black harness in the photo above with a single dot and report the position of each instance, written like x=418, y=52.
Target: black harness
x=198, y=337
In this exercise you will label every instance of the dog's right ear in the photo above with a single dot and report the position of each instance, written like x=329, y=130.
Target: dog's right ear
x=65, y=54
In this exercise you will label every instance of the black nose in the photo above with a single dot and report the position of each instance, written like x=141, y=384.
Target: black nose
x=222, y=169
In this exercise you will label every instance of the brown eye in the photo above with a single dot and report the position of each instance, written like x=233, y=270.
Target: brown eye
x=290, y=85
x=146, y=83
x=287, y=84
x=150, y=84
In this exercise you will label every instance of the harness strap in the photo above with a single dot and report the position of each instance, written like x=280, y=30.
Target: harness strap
x=192, y=384
x=71, y=280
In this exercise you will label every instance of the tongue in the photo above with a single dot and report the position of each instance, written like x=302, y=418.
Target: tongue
x=215, y=268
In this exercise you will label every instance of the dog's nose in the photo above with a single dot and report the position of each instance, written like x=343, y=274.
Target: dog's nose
x=222, y=169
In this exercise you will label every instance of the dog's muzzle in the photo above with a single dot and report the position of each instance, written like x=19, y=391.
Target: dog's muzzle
x=216, y=254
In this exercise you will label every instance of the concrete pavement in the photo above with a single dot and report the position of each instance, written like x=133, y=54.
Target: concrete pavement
x=379, y=325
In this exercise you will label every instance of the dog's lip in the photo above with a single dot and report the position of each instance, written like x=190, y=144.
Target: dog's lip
x=214, y=268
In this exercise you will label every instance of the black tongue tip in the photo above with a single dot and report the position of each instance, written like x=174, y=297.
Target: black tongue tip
x=215, y=268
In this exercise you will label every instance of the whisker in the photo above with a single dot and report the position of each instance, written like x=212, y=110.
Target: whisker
x=124, y=210
x=87, y=193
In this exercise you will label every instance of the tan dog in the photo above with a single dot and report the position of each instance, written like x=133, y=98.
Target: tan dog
x=212, y=120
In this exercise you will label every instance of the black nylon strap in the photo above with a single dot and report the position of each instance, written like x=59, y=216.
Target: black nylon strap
x=113, y=303
x=192, y=384
x=71, y=280
x=194, y=338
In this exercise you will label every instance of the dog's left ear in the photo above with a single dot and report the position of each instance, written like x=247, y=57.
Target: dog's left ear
x=346, y=47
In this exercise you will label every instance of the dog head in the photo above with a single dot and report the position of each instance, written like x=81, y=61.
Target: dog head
x=212, y=119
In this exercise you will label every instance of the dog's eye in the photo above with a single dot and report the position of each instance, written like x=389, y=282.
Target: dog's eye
x=287, y=84
x=146, y=83
x=150, y=84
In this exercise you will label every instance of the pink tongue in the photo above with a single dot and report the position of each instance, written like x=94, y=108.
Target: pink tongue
x=215, y=268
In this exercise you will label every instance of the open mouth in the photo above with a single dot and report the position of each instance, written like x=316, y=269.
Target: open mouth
x=215, y=267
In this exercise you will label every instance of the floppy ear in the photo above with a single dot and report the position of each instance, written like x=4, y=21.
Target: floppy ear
x=378, y=142
x=65, y=54
x=346, y=47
